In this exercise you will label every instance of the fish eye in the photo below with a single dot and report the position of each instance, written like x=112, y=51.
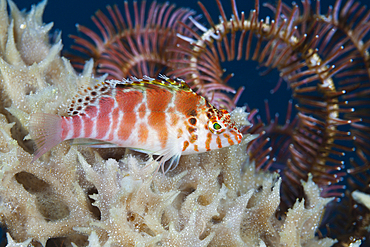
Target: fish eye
x=216, y=127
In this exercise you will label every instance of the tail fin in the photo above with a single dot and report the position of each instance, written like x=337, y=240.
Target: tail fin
x=45, y=130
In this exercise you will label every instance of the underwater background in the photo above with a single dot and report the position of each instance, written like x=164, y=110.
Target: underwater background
x=66, y=14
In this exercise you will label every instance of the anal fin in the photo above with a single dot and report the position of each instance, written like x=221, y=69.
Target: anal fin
x=93, y=143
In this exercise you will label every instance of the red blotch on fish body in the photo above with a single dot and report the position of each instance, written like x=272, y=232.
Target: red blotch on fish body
x=143, y=133
x=158, y=99
x=104, y=119
x=142, y=111
x=187, y=103
x=91, y=113
x=77, y=126
x=127, y=101
x=157, y=102
x=106, y=105
x=157, y=120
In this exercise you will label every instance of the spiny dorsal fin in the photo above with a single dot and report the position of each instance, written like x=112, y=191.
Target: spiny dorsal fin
x=163, y=81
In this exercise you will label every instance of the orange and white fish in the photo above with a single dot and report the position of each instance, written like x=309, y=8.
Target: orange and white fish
x=161, y=117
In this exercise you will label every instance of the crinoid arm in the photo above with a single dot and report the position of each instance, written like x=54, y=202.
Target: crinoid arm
x=132, y=45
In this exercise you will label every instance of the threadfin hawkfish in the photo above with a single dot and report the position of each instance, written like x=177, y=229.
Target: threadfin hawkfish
x=162, y=117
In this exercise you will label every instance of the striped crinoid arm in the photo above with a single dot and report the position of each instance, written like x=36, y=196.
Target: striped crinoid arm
x=352, y=218
x=132, y=43
x=323, y=59
x=342, y=43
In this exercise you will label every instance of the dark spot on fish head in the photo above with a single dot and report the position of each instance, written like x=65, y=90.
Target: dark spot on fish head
x=79, y=100
x=87, y=98
x=193, y=121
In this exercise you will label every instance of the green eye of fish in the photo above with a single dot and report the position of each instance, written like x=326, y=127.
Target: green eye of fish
x=215, y=127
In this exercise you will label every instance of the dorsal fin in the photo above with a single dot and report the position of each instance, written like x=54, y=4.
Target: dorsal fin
x=86, y=95
x=163, y=81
